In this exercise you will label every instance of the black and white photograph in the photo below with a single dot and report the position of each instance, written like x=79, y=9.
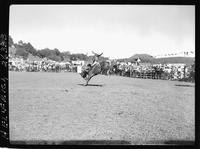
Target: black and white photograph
x=102, y=74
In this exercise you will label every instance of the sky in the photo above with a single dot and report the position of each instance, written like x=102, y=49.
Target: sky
x=119, y=31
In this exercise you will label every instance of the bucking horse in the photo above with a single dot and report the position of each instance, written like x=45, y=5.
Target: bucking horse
x=92, y=69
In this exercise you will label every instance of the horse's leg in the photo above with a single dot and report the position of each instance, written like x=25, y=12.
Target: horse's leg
x=88, y=79
x=107, y=73
x=86, y=83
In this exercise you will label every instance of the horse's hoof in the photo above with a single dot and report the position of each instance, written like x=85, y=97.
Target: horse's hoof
x=86, y=83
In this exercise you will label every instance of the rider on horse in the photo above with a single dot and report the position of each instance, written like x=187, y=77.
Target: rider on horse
x=92, y=69
x=95, y=59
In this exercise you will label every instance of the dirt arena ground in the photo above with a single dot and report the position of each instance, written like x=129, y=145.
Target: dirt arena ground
x=56, y=107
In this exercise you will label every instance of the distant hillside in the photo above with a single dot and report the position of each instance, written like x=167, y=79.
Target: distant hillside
x=185, y=60
x=145, y=58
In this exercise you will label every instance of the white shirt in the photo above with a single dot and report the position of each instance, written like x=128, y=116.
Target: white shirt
x=95, y=62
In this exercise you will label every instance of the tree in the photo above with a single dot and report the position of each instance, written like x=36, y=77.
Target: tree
x=78, y=56
x=22, y=52
x=66, y=53
x=44, y=53
x=51, y=54
x=65, y=56
x=29, y=48
x=10, y=41
x=57, y=52
x=20, y=42
x=73, y=57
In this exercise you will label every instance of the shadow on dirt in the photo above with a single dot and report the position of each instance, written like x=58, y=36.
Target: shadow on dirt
x=102, y=142
x=179, y=142
x=184, y=85
x=171, y=142
x=99, y=85
x=71, y=142
x=96, y=142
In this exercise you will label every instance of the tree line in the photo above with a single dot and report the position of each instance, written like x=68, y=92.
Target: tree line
x=23, y=50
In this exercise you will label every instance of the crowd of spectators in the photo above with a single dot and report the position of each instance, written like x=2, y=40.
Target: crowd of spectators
x=19, y=64
x=155, y=71
x=136, y=70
